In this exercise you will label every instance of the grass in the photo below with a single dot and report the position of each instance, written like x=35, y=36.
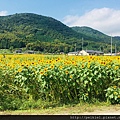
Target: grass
x=65, y=109
x=5, y=51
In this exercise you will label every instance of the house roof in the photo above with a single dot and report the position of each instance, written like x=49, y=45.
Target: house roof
x=99, y=52
x=92, y=51
x=73, y=53
x=29, y=51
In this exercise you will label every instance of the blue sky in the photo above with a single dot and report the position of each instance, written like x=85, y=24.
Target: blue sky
x=102, y=15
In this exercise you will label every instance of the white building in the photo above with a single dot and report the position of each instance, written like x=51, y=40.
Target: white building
x=73, y=53
x=87, y=52
x=83, y=52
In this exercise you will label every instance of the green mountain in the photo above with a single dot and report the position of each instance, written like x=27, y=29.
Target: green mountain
x=32, y=30
x=98, y=36
x=46, y=34
x=32, y=27
x=95, y=34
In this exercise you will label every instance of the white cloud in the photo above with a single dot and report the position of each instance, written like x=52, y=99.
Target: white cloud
x=3, y=13
x=105, y=20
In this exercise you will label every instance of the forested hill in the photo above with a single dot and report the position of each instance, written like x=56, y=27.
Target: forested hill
x=28, y=27
x=95, y=34
x=46, y=34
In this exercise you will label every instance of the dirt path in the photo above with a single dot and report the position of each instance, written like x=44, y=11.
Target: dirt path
x=104, y=112
x=76, y=110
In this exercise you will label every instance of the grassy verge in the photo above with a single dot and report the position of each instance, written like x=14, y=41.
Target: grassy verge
x=66, y=109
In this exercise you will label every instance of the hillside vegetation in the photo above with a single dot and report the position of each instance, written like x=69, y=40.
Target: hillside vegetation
x=46, y=34
x=97, y=36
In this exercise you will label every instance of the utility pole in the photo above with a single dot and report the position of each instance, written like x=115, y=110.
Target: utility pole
x=111, y=44
x=115, y=50
x=75, y=47
x=100, y=48
x=82, y=43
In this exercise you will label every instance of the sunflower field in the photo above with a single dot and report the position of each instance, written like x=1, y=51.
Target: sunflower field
x=57, y=79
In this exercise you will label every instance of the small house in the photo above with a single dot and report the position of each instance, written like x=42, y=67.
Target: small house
x=29, y=52
x=18, y=51
x=92, y=52
x=99, y=53
x=73, y=53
